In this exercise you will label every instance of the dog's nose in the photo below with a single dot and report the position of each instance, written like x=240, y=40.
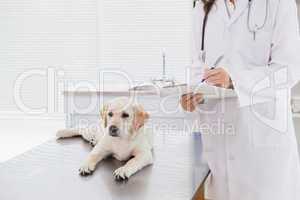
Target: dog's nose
x=113, y=130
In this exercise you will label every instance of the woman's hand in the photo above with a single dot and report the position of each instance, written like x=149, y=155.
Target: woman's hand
x=217, y=77
x=190, y=101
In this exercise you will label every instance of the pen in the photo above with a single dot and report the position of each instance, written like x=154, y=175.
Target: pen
x=215, y=65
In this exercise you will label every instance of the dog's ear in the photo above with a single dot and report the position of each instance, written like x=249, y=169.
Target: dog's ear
x=140, y=117
x=103, y=114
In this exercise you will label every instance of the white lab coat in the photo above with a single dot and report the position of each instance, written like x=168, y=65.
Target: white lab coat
x=249, y=141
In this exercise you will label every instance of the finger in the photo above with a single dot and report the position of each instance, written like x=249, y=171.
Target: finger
x=211, y=72
x=206, y=69
x=183, y=105
x=187, y=96
x=189, y=107
x=216, y=83
x=190, y=96
x=198, y=96
x=213, y=80
x=198, y=100
x=187, y=102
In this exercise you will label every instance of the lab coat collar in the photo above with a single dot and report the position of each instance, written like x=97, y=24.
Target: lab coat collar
x=241, y=6
x=221, y=11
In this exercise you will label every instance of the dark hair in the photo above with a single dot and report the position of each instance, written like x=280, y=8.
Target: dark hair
x=208, y=4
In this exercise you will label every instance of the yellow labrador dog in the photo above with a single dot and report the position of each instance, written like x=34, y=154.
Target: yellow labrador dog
x=123, y=136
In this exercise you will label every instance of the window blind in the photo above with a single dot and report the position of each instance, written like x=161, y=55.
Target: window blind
x=37, y=34
x=133, y=33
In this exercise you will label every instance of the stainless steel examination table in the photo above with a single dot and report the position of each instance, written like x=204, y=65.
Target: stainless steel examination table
x=50, y=172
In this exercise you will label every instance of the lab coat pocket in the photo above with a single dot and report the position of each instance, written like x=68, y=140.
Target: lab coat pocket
x=264, y=134
x=257, y=50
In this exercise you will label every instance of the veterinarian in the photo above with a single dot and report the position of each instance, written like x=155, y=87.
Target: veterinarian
x=253, y=154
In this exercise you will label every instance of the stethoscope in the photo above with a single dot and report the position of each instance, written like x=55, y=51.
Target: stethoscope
x=252, y=29
x=256, y=27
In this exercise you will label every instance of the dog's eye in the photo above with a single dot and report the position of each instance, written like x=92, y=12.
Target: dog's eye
x=125, y=115
x=110, y=114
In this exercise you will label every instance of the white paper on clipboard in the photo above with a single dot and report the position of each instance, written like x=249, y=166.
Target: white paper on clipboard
x=208, y=91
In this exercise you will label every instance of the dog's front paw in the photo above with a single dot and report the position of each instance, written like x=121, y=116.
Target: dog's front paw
x=86, y=170
x=121, y=174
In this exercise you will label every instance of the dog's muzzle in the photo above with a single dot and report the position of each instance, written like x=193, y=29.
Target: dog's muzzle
x=113, y=131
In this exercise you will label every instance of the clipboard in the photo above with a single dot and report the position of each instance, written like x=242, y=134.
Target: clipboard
x=178, y=89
